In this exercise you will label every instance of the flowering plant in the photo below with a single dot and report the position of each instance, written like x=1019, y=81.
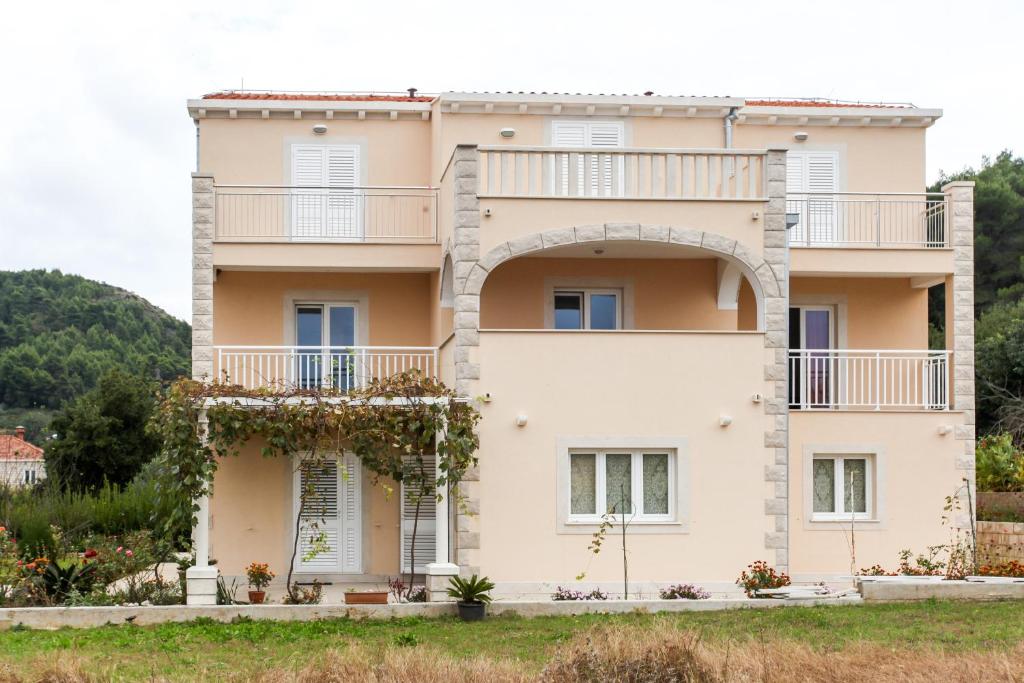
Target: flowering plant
x=761, y=576
x=684, y=591
x=561, y=594
x=259, y=575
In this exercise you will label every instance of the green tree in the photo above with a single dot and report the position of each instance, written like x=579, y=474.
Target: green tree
x=999, y=363
x=998, y=228
x=102, y=435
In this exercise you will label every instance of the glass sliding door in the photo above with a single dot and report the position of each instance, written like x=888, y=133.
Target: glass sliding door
x=325, y=335
x=588, y=309
x=811, y=332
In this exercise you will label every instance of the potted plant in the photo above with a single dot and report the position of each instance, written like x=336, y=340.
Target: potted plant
x=472, y=596
x=260, y=577
x=376, y=597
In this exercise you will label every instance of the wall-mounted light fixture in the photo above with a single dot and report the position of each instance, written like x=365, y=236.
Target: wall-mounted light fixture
x=945, y=429
x=507, y=132
x=320, y=129
x=521, y=419
x=800, y=135
x=724, y=420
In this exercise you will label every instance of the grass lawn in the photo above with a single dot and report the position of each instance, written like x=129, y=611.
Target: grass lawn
x=208, y=650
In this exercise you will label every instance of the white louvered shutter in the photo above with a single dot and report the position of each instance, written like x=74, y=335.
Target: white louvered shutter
x=351, y=516
x=426, y=529
x=319, y=516
x=333, y=509
x=812, y=172
x=332, y=213
x=343, y=204
x=602, y=168
x=308, y=206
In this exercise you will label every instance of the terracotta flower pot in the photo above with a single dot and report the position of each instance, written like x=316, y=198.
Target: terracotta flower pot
x=366, y=598
x=256, y=597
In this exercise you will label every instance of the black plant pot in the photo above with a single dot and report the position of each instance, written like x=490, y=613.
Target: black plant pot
x=472, y=611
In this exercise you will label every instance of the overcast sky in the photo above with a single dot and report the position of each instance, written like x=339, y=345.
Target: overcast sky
x=96, y=146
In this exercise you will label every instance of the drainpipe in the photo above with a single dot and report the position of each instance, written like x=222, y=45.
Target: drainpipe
x=729, y=118
x=197, y=145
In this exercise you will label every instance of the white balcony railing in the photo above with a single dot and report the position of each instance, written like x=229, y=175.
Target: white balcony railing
x=868, y=379
x=315, y=367
x=326, y=214
x=867, y=220
x=622, y=173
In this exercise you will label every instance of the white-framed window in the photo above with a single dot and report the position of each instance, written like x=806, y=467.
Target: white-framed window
x=636, y=483
x=587, y=308
x=30, y=476
x=842, y=487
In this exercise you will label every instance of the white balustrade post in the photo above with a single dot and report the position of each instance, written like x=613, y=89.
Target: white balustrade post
x=201, y=578
x=442, y=568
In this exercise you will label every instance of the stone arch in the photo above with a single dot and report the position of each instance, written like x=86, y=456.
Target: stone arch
x=762, y=278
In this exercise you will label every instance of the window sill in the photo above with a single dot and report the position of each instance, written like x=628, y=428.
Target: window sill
x=635, y=527
x=845, y=521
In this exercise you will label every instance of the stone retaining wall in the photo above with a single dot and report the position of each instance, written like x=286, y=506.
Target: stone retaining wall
x=1000, y=541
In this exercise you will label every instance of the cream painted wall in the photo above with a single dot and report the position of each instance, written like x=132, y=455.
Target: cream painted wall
x=870, y=159
x=882, y=313
x=250, y=306
x=676, y=294
x=621, y=384
x=254, y=151
x=252, y=516
x=918, y=472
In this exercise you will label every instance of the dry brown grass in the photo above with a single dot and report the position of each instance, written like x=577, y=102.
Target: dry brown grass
x=628, y=655
x=661, y=656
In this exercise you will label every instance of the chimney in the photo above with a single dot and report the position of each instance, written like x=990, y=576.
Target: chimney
x=412, y=92
x=19, y=432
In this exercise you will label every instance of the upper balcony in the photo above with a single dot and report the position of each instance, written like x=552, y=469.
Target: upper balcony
x=285, y=226
x=869, y=233
x=528, y=189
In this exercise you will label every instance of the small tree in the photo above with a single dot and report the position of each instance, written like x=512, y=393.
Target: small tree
x=102, y=435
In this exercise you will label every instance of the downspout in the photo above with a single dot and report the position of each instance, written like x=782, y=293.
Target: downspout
x=729, y=118
x=196, y=121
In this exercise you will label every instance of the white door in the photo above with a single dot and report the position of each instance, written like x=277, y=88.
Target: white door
x=605, y=171
x=811, y=177
x=331, y=207
x=330, y=530
x=426, y=528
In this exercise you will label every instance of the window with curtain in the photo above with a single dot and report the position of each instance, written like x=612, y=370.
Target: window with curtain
x=637, y=484
x=842, y=487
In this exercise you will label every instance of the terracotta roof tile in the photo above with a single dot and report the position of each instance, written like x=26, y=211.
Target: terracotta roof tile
x=314, y=97
x=820, y=103
x=13, y=448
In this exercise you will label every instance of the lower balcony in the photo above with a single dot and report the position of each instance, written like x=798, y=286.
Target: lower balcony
x=291, y=368
x=860, y=379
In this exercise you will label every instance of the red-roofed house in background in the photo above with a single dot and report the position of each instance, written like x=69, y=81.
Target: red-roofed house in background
x=711, y=312
x=21, y=463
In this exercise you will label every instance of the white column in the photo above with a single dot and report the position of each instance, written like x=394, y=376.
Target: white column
x=201, y=579
x=442, y=568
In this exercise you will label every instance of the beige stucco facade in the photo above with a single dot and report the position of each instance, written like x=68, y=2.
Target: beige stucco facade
x=689, y=239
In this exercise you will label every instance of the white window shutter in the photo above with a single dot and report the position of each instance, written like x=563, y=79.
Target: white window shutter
x=601, y=167
x=812, y=172
x=334, y=509
x=319, y=516
x=351, y=516
x=332, y=207
x=426, y=529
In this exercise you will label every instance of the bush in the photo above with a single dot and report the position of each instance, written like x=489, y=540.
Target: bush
x=761, y=576
x=999, y=464
x=684, y=591
x=567, y=594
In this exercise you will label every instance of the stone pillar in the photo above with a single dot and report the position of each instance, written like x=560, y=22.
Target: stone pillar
x=465, y=257
x=774, y=279
x=202, y=275
x=960, y=324
x=201, y=579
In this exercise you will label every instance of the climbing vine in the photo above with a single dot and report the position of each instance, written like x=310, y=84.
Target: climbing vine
x=390, y=424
